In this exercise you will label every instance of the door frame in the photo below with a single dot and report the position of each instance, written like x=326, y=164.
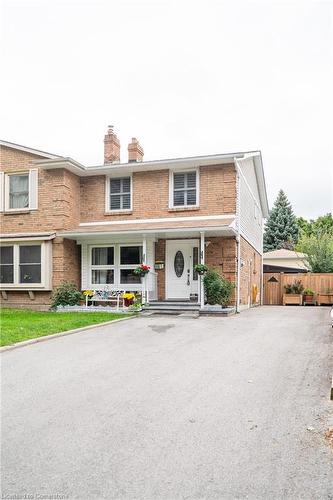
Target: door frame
x=192, y=242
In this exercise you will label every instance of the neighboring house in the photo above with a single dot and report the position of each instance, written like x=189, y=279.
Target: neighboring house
x=287, y=261
x=62, y=221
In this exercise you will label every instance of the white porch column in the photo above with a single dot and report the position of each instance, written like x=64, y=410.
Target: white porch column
x=202, y=261
x=144, y=261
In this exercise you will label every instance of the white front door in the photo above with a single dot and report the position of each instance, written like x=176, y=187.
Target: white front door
x=181, y=280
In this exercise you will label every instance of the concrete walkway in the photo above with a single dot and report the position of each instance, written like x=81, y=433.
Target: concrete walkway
x=173, y=408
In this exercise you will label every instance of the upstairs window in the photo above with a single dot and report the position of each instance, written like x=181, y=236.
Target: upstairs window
x=120, y=194
x=19, y=191
x=185, y=189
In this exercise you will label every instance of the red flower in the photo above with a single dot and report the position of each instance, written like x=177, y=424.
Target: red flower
x=144, y=267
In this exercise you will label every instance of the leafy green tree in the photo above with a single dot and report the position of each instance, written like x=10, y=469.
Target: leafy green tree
x=319, y=250
x=322, y=225
x=281, y=229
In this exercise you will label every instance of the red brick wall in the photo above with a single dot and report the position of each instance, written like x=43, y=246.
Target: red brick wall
x=251, y=273
x=58, y=209
x=151, y=195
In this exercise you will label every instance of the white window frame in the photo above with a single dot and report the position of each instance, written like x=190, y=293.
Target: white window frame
x=46, y=266
x=30, y=206
x=171, y=187
x=116, y=266
x=102, y=267
x=108, y=178
x=127, y=266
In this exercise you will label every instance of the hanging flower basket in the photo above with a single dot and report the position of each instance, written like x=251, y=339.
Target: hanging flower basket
x=142, y=270
x=201, y=269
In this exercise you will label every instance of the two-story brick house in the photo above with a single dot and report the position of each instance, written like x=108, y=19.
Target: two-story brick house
x=63, y=221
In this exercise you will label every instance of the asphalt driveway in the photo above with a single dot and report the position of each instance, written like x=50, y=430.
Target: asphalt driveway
x=173, y=408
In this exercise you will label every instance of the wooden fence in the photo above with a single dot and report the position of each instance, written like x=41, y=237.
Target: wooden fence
x=274, y=284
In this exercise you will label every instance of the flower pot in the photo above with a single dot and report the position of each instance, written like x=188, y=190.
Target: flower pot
x=309, y=299
x=128, y=302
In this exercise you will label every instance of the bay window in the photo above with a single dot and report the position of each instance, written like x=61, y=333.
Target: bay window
x=25, y=265
x=7, y=264
x=30, y=264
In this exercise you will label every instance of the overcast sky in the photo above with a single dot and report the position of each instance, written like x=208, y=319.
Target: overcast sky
x=185, y=77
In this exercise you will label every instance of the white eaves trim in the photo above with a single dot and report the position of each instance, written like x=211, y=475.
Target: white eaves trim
x=161, y=219
x=199, y=229
x=128, y=168
x=19, y=147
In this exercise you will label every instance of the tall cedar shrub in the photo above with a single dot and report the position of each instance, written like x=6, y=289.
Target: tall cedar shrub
x=281, y=229
x=66, y=294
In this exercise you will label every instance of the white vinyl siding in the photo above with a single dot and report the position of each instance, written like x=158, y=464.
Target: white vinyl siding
x=250, y=216
x=20, y=190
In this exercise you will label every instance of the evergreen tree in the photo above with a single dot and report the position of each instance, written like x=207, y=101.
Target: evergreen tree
x=281, y=230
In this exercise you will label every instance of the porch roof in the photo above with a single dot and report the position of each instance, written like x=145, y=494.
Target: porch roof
x=211, y=227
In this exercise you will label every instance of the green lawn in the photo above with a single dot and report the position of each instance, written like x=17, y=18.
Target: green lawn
x=18, y=325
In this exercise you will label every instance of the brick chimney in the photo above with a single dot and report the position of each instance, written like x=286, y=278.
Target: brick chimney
x=135, y=151
x=111, y=147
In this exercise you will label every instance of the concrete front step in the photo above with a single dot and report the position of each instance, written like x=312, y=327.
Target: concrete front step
x=173, y=306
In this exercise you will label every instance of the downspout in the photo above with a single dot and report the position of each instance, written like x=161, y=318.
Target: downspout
x=238, y=237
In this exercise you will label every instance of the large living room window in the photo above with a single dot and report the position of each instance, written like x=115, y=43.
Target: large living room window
x=102, y=265
x=114, y=265
x=184, y=189
x=119, y=194
x=25, y=265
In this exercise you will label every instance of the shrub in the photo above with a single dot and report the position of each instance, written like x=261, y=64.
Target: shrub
x=296, y=287
x=218, y=289
x=66, y=295
x=308, y=291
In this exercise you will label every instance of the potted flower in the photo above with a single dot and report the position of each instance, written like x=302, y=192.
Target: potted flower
x=141, y=270
x=308, y=296
x=201, y=269
x=128, y=298
x=293, y=293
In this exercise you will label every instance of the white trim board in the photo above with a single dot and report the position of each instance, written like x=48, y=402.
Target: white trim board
x=161, y=219
x=36, y=152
